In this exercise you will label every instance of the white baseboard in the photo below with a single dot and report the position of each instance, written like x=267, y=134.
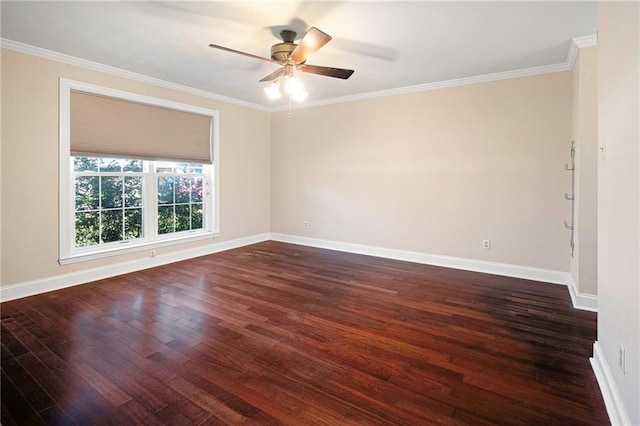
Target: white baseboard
x=515, y=271
x=586, y=302
x=612, y=400
x=30, y=288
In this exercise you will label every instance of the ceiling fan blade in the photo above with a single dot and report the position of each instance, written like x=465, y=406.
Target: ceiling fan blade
x=274, y=75
x=226, y=49
x=327, y=71
x=313, y=40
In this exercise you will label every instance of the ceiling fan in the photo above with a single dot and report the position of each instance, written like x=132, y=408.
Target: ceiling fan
x=293, y=56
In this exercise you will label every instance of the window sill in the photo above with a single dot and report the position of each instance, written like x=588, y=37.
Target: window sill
x=139, y=247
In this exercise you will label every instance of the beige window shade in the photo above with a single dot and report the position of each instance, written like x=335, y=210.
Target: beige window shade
x=108, y=127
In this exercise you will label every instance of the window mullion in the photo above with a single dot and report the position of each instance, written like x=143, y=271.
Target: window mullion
x=99, y=209
x=175, y=220
x=149, y=201
x=124, y=233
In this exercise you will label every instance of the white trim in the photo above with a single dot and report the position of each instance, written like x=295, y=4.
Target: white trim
x=515, y=271
x=586, y=302
x=586, y=41
x=577, y=44
x=133, y=247
x=30, y=288
x=574, y=45
x=572, y=54
x=68, y=85
x=580, y=301
x=527, y=72
x=72, y=60
x=612, y=400
x=65, y=183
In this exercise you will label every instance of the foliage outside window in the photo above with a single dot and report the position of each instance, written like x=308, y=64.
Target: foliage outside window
x=180, y=202
x=121, y=200
x=108, y=200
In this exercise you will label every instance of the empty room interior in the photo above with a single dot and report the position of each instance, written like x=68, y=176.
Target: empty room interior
x=350, y=212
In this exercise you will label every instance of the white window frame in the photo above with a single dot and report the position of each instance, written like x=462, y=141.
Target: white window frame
x=68, y=252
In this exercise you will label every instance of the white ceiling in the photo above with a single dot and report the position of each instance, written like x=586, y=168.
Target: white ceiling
x=390, y=45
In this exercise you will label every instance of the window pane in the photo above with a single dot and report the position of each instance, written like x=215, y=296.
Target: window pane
x=85, y=164
x=196, y=216
x=132, y=166
x=87, y=229
x=183, y=187
x=196, y=190
x=110, y=165
x=87, y=193
x=165, y=190
x=111, y=191
x=183, y=219
x=165, y=219
x=133, y=191
x=132, y=224
x=180, y=167
x=166, y=167
x=111, y=226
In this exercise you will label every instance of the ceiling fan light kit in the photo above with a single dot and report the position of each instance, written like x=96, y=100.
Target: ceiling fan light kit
x=291, y=85
x=290, y=55
x=273, y=90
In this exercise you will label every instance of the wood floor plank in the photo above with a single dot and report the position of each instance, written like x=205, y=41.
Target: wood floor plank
x=17, y=409
x=274, y=333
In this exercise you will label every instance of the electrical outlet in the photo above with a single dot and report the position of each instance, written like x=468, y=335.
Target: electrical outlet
x=152, y=253
x=486, y=244
x=305, y=224
x=622, y=358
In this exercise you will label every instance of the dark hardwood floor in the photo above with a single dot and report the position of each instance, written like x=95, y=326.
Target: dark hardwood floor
x=281, y=334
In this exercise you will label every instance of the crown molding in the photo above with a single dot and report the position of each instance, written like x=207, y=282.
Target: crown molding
x=72, y=60
x=577, y=44
x=586, y=41
x=574, y=46
x=506, y=75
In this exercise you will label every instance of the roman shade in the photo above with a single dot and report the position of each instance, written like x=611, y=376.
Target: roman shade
x=103, y=126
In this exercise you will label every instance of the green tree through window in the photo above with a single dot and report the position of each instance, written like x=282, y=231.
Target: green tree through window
x=108, y=194
x=110, y=203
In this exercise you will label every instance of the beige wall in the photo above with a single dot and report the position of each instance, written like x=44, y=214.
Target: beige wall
x=30, y=165
x=619, y=195
x=434, y=172
x=584, y=133
x=1, y=171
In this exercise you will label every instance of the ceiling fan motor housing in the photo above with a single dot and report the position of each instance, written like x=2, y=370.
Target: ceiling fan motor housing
x=281, y=51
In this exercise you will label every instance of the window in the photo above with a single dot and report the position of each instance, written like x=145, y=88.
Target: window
x=114, y=205
x=111, y=206
x=108, y=201
x=180, y=197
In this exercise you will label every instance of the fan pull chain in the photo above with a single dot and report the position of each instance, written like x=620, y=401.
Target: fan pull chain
x=289, y=97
